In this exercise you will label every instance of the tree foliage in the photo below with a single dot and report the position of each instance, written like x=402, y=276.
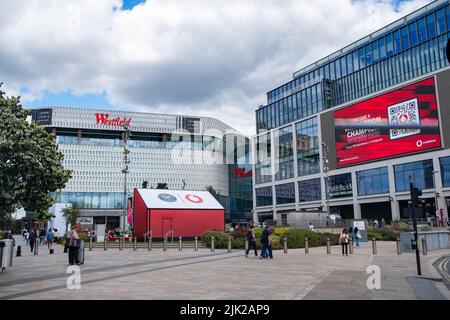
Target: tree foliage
x=30, y=163
x=71, y=214
x=162, y=185
x=214, y=192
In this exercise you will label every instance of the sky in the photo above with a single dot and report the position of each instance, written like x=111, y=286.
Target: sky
x=196, y=57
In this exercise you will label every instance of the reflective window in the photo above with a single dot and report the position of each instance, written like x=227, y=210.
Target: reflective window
x=355, y=61
x=309, y=190
x=445, y=171
x=440, y=19
x=431, y=26
x=307, y=147
x=61, y=139
x=263, y=196
x=447, y=17
x=362, y=60
x=389, y=46
x=419, y=172
x=412, y=34
x=422, y=32
x=285, y=193
x=368, y=52
x=397, y=42
x=340, y=186
x=285, y=158
x=405, y=38
x=373, y=181
x=375, y=55
x=382, y=47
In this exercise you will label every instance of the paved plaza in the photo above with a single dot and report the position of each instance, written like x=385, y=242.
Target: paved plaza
x=205, y=275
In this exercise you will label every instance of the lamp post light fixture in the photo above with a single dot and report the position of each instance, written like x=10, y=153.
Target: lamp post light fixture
x=125, y=170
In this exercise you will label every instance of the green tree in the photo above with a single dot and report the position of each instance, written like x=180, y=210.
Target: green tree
x=71, y=214
x=214, y=192
x=145, y=185
x=30, y=163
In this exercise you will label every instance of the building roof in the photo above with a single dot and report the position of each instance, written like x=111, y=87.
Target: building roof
x=178, y=199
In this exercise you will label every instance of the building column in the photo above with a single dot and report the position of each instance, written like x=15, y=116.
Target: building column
x=395, y=210
x=356, y=205
x=356, y=210
x=441, y=203
x=79, y=137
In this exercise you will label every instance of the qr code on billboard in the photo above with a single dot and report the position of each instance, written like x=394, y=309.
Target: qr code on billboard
x=406, y=114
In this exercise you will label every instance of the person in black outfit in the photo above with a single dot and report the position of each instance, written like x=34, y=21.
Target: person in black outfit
x=266, y=250
x=251, y=242
x=33, y=236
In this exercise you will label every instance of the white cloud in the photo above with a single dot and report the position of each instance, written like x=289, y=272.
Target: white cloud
x=216, y=58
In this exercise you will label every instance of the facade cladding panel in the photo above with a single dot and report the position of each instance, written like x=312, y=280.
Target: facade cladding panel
x=171, y=149
x=381, y=102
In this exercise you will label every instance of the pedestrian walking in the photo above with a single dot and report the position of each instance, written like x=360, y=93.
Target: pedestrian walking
x=383, y=222
x=351, y=234
x=73, y=243
x=24, y=231
x=42, y=235
x=50, y=238
x=375, y=223
x=311, y=227
x=251, y=242
x=27, y=238
x=344, y=241
x=357, y=235
x=265, y=242
x=32, y=239
x=55, y=234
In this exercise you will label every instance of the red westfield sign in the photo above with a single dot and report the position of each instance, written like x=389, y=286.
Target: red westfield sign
x=240, y=172
x=103, y=118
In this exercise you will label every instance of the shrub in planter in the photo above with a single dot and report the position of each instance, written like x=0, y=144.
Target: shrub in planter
x=426, y=228
x=220, y=239
x=258, y=233
x=239, y=243
x=239, y=233
x=334, y=238
x=296, y=238
x=280, y=231
x=374, y=234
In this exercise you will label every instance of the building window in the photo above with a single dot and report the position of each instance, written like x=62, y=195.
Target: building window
x=285, y=193
x=445, y=171
x=308, y=147
x=284, y=160
x=309, y=190
x=420, y=173
x=340, y=186
x=263, y=196
x=373, y=181
x=263, y=167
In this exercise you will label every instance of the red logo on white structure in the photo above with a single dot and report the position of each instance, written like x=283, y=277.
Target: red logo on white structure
x=193, y=198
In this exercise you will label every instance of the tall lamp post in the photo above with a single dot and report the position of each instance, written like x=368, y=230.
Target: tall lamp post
x=435, y=196
x=125, y=170
x=325, y=168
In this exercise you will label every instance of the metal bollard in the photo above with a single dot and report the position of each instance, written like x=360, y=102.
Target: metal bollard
x=36, y=247
x=196, y=244
x=229, y=244
x=350, y=244
x=149, y=243
x=105, y=244
x=399, y=249
x=246, y=246
x=328, y=246
x=135, y=244
x=90, y=244
x=306, y=245
x=374, y=246
x=180, y=244
x=165, y=244
x=212, y=244
x=424, y=247
x=19, y=251
x=121, y=240
x=285, y=245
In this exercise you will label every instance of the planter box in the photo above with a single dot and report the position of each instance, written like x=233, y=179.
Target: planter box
x=435, y=240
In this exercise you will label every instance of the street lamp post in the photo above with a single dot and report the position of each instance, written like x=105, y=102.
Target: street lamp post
x=125, y=170
x=325, y=171
x=435, y=196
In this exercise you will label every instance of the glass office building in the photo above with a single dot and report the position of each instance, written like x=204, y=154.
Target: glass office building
x=300, y=144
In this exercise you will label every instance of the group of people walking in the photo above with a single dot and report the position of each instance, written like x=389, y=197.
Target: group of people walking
x=42, y=237
x=266, y=243
x=346, y=235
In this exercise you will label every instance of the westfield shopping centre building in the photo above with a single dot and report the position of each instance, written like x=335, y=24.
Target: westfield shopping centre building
x=350, y=132
x=183, y=152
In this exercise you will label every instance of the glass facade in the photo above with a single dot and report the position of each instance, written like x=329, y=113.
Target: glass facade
x=264, y=196
x=420, y=173
x=91, y=200
x=340, y=186
x=445, y=171
x=373, y=181
x=263, y=166
x=284, y=159
x=407, y=49
x=285, y=193
x=309, y=190
x=308, y=147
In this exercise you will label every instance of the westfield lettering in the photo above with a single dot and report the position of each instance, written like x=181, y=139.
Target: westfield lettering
x=103, y=118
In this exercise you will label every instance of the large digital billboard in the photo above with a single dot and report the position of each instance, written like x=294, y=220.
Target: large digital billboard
x=395, y=123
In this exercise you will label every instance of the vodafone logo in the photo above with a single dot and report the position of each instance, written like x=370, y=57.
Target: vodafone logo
x=193, y=198
x=403, y=118
x=419, y=143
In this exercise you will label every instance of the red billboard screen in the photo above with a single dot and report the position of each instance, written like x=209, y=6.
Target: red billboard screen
x=395, y=123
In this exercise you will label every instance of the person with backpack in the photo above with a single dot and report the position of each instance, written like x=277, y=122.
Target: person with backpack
x=72, y=243
x=251, y=242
